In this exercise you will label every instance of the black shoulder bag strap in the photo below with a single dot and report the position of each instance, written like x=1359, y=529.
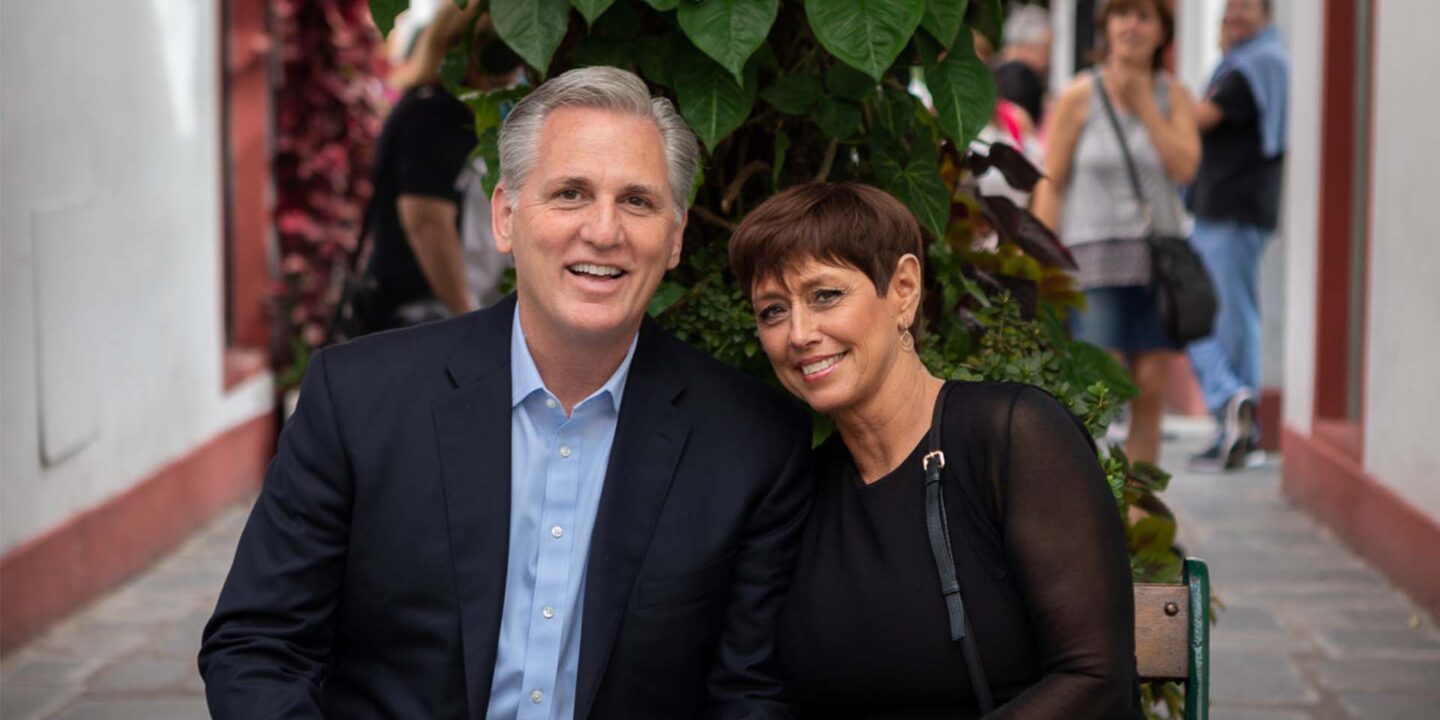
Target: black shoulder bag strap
x=1124, y=150
x=938, y=526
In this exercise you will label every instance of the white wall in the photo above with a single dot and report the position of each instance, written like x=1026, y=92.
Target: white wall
x=1402, y=394
x=1303, y=31
x=110, y=252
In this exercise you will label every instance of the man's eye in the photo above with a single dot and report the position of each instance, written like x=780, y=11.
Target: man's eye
x=639, y=201
x=568, y=194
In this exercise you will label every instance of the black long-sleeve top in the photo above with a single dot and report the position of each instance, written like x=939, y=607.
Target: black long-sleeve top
x=1041, y=557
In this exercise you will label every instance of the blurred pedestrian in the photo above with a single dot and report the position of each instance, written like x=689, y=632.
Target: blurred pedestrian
x=1022, y=68
x=1091, y=200
x=1236, y=202
x=1011, y=125
x=416, y=268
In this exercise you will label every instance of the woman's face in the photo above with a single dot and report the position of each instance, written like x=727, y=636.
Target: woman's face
x=1134, y=33
x=829, y=335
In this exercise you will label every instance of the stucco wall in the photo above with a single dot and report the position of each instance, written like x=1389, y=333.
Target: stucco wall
x=1303, y=28
x=111, y=333
x=1402, y=393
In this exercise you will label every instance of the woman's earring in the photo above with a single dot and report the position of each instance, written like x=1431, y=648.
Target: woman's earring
x=907, y=341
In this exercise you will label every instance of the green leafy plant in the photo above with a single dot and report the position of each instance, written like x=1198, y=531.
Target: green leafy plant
x=785, y=92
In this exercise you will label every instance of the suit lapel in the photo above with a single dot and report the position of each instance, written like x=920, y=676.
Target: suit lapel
x=648, y=442
x=472, y=425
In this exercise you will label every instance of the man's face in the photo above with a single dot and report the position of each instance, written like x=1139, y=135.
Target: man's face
x=594, y=228
x=1243, y=18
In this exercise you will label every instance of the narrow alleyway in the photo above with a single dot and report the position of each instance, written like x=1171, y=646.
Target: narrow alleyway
x=1309, y=633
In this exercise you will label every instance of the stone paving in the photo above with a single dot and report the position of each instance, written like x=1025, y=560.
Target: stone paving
x=1309, y=632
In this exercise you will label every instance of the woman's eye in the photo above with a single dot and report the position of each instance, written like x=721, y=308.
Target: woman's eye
x=827, y=297
x=770, y=313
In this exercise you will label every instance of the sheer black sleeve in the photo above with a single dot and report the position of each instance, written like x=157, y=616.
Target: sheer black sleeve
x=1066, y=545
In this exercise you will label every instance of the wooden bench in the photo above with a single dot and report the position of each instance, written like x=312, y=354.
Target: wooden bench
x=1172, y=635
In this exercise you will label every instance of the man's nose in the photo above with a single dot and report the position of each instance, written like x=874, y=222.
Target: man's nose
x=602, y=227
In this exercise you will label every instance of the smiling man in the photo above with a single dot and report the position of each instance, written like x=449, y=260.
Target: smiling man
x=547, y=509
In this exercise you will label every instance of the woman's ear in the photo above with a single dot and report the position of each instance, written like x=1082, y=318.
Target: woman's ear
x=905, y=285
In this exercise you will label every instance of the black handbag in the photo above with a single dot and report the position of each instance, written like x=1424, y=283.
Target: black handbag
x=938, y=527
x=1182, y=289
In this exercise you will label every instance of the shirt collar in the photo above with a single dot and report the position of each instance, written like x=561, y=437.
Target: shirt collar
x=525, y=377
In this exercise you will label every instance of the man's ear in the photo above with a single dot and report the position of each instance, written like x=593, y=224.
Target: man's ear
x=501, y=219
x=677, y=242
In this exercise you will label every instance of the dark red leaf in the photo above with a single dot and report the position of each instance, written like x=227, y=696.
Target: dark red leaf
x=1018, y=226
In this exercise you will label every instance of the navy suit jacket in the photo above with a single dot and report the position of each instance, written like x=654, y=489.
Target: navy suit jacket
x=370, y=577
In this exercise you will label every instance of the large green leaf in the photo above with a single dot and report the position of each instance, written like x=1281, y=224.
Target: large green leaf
x=384, y=12
x=710, y=100
x=895, y=112
x=656, y=56
x=865, y=34
x=847, y=82
x=729, y=31
x=944, y=18
x=793, y=94
x=838, y=118
x=663, y=5
x=591, y=9
x=532, y=28
x=917, y=183
x=963, y=90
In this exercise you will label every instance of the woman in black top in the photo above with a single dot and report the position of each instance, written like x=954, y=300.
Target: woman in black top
x=834, y=275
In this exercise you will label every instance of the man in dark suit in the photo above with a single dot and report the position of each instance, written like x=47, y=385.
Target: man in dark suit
x=546, y=509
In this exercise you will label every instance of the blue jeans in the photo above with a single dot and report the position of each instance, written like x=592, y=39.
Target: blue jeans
x=1230, y=358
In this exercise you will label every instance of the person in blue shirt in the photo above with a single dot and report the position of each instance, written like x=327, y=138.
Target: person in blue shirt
x=546, y=509
x=1236, y=202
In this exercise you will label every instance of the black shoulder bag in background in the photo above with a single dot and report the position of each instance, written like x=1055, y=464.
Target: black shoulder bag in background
x=938, y=526
x=1184, y=293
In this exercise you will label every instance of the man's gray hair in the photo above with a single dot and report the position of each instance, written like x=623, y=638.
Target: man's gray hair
x=604, y=88
x=1026, y=24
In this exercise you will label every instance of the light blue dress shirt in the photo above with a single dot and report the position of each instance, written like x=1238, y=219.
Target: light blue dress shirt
x=557, y=469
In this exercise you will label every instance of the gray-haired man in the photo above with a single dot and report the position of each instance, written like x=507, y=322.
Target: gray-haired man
x=546, y=509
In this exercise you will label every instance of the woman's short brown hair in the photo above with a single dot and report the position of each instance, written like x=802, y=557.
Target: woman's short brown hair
x=1106, y=8
x=839, y=223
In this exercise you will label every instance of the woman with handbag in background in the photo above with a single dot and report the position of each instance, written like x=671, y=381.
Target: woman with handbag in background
x=964, y=555
x=1122, y=140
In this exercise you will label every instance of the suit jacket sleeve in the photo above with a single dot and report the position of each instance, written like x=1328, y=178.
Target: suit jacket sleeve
x=265, y=650
x=745, y=681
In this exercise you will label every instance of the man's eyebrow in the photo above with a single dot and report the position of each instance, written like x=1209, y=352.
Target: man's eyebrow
x=571, y=181
x=641, y=189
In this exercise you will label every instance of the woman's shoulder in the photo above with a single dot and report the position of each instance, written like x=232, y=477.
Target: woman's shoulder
x=992, y=408
x=1073, y=101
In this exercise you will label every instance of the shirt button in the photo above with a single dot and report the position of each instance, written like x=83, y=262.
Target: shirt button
x=550, y=403
x=565, y=451
x=537, y=696
x=548, y=612
x=557, y=532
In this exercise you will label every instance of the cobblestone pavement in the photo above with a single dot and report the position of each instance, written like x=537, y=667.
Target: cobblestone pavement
x=1309, y=633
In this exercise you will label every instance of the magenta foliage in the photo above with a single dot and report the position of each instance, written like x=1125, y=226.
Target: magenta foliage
x=328, y=109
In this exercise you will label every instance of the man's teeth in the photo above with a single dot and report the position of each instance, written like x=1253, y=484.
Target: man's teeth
x=816, y=367
x=598, y=270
